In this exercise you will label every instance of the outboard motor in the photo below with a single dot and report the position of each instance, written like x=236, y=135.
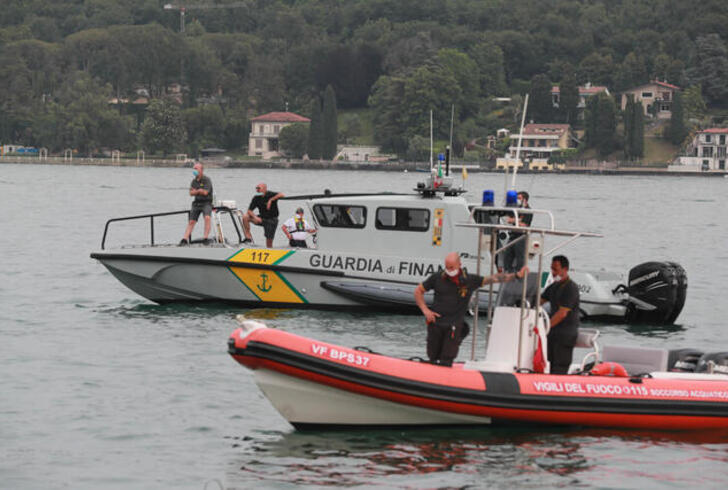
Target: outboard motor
x=683, y=360
x=659, y=290
x=716, y=362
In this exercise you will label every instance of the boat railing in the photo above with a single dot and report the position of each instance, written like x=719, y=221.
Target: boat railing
x=527, y=232
x=218, y=210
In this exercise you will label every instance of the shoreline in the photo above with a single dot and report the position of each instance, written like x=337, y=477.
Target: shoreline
x=420, y=167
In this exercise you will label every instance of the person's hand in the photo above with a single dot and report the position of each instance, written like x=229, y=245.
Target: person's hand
x=522, y=273
x=431, y=316
x=270, y=201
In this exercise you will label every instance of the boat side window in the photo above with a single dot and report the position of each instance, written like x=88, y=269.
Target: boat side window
x=403, y=219
x=340, y=215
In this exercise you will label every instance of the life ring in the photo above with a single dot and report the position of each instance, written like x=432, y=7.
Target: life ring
x=609, y=369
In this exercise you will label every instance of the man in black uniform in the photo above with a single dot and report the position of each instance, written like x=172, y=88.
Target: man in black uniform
x=201, y=188
x=514, y=257
x=563, y=294
x=267, y=217
x=446, y=326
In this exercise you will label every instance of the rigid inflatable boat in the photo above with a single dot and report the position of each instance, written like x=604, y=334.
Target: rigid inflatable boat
x=316, y=384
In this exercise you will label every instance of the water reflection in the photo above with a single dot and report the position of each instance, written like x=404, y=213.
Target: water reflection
x=482, y=456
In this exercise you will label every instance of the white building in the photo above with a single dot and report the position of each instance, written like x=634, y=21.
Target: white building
x=707, y=151
x=263, y=140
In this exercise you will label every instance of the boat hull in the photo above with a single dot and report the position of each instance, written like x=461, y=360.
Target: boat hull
x=314, y=384
x=287, y=278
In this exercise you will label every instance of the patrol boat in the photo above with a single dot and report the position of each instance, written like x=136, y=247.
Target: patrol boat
x=315, y=384
x=370, y=252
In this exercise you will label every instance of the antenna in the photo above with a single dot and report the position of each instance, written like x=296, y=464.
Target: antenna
x=520, y=138
x=431, y=144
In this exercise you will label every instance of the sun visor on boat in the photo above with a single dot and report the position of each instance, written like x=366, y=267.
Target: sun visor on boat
x=509, y=293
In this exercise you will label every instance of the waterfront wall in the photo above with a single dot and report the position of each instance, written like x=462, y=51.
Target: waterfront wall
x=576, y=167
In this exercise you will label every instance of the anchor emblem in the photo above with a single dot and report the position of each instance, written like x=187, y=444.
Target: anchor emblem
x=264, y=286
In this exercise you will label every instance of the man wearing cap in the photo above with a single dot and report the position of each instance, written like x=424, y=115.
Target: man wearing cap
x=297, y=229
x=201, y=188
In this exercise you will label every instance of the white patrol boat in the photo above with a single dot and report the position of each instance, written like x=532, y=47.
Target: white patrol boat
x=370, y=252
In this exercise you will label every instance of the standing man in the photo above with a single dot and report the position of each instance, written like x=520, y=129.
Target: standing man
x=563, y=294
x=201, y=188
x=266, y=203
x=297, y=229
x=446, y=326
x=514, y=257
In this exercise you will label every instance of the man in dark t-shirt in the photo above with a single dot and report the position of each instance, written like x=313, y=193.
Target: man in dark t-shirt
x=201, y=189
x=563, y=296
x=446, y=326
x=514, y=257
x=265, y=202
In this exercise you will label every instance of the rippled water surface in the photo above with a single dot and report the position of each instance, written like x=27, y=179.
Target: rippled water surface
x=101, y=389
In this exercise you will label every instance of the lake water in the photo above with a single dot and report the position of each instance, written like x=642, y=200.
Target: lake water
x=101, y=389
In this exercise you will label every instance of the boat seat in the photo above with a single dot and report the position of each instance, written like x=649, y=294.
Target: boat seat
x=587, y=339
x=637, y=360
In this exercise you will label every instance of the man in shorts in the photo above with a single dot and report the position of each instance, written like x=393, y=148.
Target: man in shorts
x=201, y=189
x=267, y=204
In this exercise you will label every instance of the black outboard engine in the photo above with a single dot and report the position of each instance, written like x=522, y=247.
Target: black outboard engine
x=660, y=284
x=716, y=362
x=684, y=360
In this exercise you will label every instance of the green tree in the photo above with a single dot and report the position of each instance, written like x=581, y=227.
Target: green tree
x=488, y=57
x=676, y=131
x=236, y=129
x=293, y=140
x=465, y=72
x=385, y=100
x=693, y=103
x=315, y=131
x=428, y=88
x=710, y=68
x=163, y=128
x=330, y=125
x=632, y=71
x=569, y=99
x=606, y=125
x=628, y=119
x=205, y=127
x=540, y=106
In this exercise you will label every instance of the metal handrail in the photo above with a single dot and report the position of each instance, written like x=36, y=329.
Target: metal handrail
x=151, y=217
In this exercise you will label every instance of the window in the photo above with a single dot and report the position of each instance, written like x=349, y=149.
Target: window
x=646, y=95
x=707, y=138
x=260, y=129
x=403, y=219
x=707, y=151
x=722, y=139
x=259, y=143
x=340, y=215
x=276, y=129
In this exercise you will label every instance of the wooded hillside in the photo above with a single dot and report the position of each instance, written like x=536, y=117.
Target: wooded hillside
x=61, y=62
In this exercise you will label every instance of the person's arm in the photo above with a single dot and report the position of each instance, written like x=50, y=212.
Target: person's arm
x=274, y=198
x=559, y=316
x=285, y=230
x=430, y=316
x=505, y=277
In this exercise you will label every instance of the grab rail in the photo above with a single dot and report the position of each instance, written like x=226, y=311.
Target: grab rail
x=151, y=217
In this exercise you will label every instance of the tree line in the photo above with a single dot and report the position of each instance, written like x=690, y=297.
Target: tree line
x=62, y=62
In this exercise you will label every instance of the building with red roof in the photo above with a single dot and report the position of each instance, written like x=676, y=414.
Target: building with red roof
x=538, y=143
x=264, y=131
x=656, y=98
